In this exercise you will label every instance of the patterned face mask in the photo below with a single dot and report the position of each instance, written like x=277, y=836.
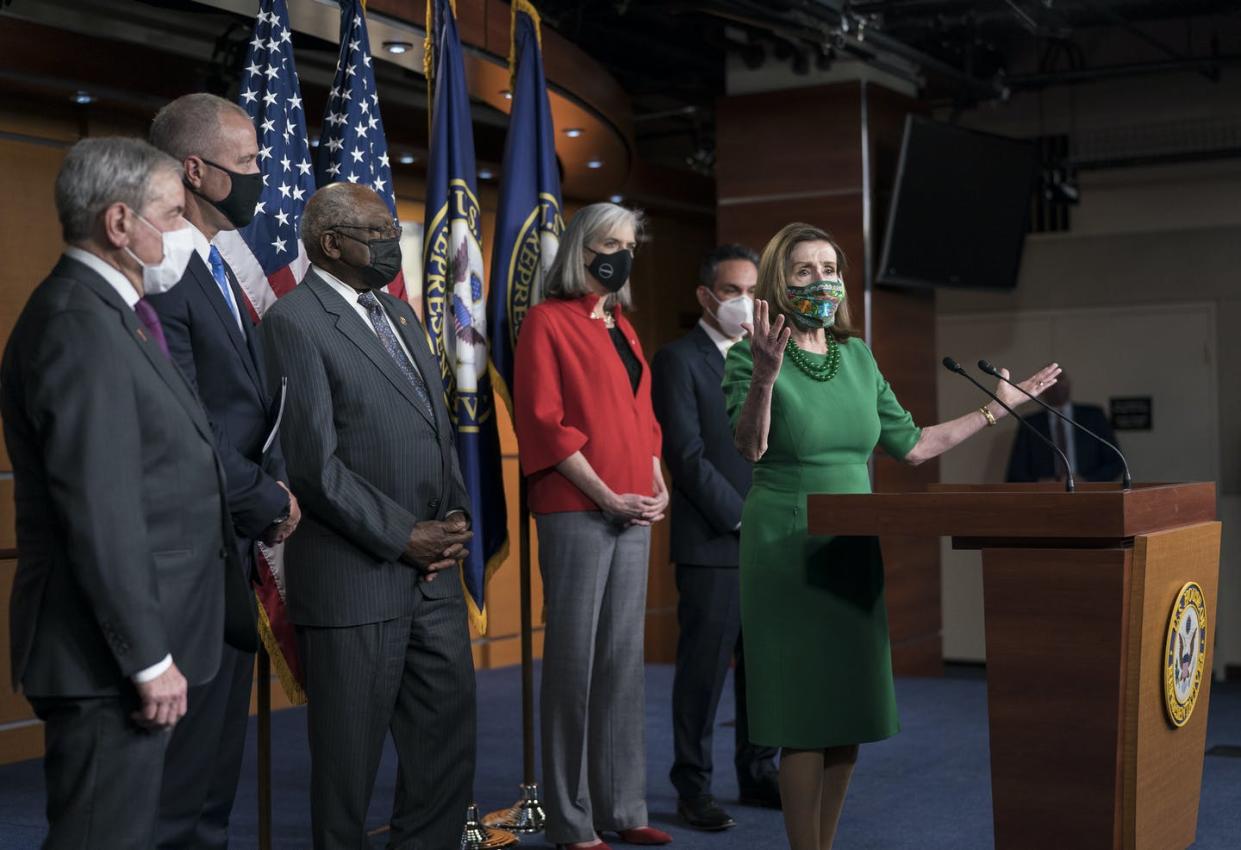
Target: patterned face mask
x=814, y=305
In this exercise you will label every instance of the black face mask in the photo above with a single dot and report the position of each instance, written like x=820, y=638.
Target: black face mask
x=385, y=260
x=238, y=205
x=612, y=270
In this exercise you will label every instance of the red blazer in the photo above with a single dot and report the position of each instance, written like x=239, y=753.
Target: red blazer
x=572, y=393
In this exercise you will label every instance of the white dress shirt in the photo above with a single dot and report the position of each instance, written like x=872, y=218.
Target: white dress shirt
x=350, y=295
x=722, y=342
x=126, y=290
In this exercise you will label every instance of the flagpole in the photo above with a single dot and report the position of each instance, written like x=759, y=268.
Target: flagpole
x=264, y=747
x=527, y=640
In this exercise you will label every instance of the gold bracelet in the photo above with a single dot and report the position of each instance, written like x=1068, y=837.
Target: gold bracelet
x=988, y=415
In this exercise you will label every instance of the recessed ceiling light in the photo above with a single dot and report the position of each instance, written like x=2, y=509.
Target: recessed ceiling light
x=82, y=97
x=398, y=47
x=574, y=132
x=407, y=159
x=485, y=174
x=594, y=163
x=616, y=199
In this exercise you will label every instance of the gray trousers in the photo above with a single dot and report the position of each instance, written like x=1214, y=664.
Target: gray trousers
x=593, y=694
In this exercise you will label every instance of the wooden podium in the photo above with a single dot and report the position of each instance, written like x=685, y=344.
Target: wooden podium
x=1079, y=590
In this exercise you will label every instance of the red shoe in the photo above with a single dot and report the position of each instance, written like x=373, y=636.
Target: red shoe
x=644, y=835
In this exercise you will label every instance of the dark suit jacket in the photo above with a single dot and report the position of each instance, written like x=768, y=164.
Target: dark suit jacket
x=124, y=550
x=226, y=368
x=1033, y=460
x=363, y=455
x=709, y=476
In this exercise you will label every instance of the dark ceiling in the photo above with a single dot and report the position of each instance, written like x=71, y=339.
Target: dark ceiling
x=671, y=55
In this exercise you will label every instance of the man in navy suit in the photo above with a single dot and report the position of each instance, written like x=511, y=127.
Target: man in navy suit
x=214, y=342
x=709, y=483
x=1032, y=460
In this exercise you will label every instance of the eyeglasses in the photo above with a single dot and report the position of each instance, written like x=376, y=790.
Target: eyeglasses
x=392, y=230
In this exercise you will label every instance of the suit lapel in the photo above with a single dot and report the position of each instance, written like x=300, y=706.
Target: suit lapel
x=164, y=367
x=355, y=330
x=211, y=291
x=711, y=355
x=416, y=341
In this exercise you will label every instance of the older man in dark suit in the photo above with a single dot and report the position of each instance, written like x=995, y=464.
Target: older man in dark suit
x=124, y=550
x=372, y=574
x=217, y=347
x=709, y=483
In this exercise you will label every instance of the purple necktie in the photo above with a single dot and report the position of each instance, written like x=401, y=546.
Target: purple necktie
x=149, y=318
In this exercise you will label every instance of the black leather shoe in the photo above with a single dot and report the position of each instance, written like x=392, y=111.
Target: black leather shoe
x=705, y=814
x=765, y=794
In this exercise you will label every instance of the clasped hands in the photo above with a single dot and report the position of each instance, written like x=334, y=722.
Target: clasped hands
x=437, y=544
x=626, y=509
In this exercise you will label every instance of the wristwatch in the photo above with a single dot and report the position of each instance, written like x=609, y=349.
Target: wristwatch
x=284, y=515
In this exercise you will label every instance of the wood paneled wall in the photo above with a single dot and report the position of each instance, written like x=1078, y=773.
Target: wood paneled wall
x=798, y=155
x=33, y=146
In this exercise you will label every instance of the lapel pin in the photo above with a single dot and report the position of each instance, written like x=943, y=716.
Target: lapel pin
x=402, y=318
x=140, y=334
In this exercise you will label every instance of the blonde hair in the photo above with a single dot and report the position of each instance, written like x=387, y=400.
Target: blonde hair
x=776, y=263
x=566, y=279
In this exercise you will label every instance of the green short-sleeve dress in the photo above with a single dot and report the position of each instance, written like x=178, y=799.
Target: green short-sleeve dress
x=817, y=656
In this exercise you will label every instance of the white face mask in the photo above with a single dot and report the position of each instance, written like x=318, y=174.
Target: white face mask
x=731, y=313
x=164, y=275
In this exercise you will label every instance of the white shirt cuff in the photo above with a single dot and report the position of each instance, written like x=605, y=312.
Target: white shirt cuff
x=153, y=672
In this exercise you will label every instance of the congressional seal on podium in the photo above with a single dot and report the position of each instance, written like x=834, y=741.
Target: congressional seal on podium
x=1185, y=653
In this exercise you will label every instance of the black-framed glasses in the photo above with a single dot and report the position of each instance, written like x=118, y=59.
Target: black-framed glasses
x=391, y=230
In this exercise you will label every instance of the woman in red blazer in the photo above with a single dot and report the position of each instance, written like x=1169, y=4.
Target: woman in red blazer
x=589, y=447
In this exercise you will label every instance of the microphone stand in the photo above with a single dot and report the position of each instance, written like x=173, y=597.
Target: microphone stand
x=1126, y=483
x=1069, y=484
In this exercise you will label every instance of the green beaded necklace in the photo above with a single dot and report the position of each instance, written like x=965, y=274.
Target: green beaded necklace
x=823, y=371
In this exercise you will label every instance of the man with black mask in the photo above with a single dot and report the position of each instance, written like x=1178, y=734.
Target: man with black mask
x=373, y=582
x=213, y=341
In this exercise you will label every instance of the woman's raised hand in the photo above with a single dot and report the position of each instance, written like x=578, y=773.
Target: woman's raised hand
x=767, y=342
x=1035, y=385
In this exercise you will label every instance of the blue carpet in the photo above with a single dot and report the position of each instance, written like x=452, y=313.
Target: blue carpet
x=925, y=789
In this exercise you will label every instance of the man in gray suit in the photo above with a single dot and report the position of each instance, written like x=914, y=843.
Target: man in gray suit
x=119, y=598
x=372, y=575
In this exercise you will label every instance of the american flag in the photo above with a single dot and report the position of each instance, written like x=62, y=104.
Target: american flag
x=267, y=254
x=269, y=260
x=352, y=146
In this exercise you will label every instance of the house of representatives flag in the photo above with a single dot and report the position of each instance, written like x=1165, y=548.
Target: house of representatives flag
x=454, y=306
x=352, y=146
x=528, y=223
x=269, y=260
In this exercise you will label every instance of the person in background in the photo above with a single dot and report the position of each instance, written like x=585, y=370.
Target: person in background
x=1033, y=460
x=373, y=577
x=215, y=344
x=809, y=405
x=709, y=483
x=125, y=551
x=589, y=447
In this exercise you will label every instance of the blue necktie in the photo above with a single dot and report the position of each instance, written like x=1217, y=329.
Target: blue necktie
x=221, y=280
x=379, y=321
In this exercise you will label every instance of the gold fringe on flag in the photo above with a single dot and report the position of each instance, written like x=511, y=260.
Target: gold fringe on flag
x=292, y=689
x=527, y=7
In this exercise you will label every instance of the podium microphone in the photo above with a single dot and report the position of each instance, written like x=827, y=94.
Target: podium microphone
x=1126, y=483
x=953, y=366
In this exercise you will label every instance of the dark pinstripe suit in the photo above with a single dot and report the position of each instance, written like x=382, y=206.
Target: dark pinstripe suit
x=381, y=648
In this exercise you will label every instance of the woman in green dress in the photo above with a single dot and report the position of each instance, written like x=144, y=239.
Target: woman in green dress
x=809, y=405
